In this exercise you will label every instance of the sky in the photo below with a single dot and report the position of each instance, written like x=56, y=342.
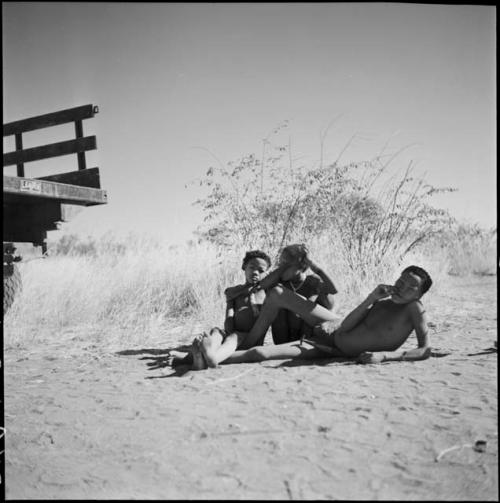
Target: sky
x=180, y=85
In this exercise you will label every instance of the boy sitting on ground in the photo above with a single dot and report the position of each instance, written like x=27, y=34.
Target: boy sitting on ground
x=243, y=304
x=306, y=279
x=371, y=333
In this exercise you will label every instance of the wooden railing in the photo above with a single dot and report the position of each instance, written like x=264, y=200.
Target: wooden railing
x=78, y=146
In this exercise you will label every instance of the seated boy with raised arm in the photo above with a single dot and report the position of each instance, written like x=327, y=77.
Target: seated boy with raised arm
x=371, y=333
x=242, y=309
x=243, y=304
x=306, y=279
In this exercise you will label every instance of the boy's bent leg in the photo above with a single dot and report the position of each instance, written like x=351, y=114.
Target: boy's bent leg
x=309, y=311
x=282, y=298
x=290, y=350
x=279, y=327
x=210, y=345
x=228, y=347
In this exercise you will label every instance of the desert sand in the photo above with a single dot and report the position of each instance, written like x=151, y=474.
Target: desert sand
x=85, y=421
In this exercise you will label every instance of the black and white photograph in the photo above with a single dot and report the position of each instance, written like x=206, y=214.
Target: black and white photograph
x=250, y=251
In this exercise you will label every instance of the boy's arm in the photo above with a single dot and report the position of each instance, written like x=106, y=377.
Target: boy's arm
x=229, y=321
x=272, y=279
x=329, y=290
x=421, y=352
x=358, y=315
x=265, y=283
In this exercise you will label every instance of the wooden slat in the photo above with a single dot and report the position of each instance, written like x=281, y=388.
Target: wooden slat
x=84, y=178
x=51, y=150
x=82, y=164
x=30, y=188
x=52, y=119
x=19, y=146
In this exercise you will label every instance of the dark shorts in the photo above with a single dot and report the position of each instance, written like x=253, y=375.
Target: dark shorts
x=326, y=344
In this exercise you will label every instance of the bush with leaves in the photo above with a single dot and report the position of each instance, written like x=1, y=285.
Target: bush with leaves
x=371, y=213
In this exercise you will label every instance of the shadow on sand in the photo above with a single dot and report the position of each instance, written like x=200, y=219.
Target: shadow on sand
x=160, y=358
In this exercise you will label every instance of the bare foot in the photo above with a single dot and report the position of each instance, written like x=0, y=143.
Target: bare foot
x=175, y=361
x=209, y=345
x=198, y=360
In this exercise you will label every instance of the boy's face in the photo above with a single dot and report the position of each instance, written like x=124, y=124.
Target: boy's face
x=254, y=269
x=291, y=258
x=407, y=288
x=292, y=272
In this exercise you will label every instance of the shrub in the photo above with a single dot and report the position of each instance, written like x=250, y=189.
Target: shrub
x=377, y=214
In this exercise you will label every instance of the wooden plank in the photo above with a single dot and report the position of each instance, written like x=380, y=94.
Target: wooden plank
x=51, y=150
x=83, y=178
x=52, y=119
x=32, y=188
x=19, y=146
x=82, y=164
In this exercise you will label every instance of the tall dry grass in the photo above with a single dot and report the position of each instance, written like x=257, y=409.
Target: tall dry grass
x=135, y=290
x=472, y=250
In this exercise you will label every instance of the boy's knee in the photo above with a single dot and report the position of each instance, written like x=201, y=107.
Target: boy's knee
x=274, y=294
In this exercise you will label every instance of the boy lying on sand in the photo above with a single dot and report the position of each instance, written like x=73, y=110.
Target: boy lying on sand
x=371, y=333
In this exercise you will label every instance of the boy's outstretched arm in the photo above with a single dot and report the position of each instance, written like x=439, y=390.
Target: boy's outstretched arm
x=272, y=279
x=421, y=352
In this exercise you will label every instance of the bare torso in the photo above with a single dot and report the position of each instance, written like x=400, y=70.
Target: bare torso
x=385, y=328
x=244, y=316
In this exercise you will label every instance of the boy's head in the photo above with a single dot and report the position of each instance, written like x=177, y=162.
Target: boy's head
x=294, y=255
x=255, y=264
x=411, y=285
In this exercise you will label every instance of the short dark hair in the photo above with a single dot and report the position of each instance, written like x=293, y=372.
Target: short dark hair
x=249, y=255
x=421, y=273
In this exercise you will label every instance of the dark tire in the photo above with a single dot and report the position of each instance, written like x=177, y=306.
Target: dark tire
x=12, y=285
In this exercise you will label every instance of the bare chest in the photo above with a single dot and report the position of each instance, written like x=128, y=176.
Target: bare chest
x=246, y=301
x=389, y=320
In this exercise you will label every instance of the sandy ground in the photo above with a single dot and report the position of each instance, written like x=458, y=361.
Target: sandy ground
x=85, y=422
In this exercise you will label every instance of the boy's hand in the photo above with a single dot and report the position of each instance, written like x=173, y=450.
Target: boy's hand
x=326, y=328
x=305, y=259
x=368, y=357
x=381, y=292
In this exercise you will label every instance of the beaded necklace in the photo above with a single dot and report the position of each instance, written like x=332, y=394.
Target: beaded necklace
x=295, y=288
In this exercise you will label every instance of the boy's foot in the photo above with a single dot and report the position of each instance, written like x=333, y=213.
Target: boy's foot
x=176, y=361
x=198, y=360
x=209, y=345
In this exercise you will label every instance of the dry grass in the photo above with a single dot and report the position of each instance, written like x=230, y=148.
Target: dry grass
x=138, y=292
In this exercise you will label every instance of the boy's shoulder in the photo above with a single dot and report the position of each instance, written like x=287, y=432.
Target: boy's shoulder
x=234, y=288
x=231, y=291
x=415, y=308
